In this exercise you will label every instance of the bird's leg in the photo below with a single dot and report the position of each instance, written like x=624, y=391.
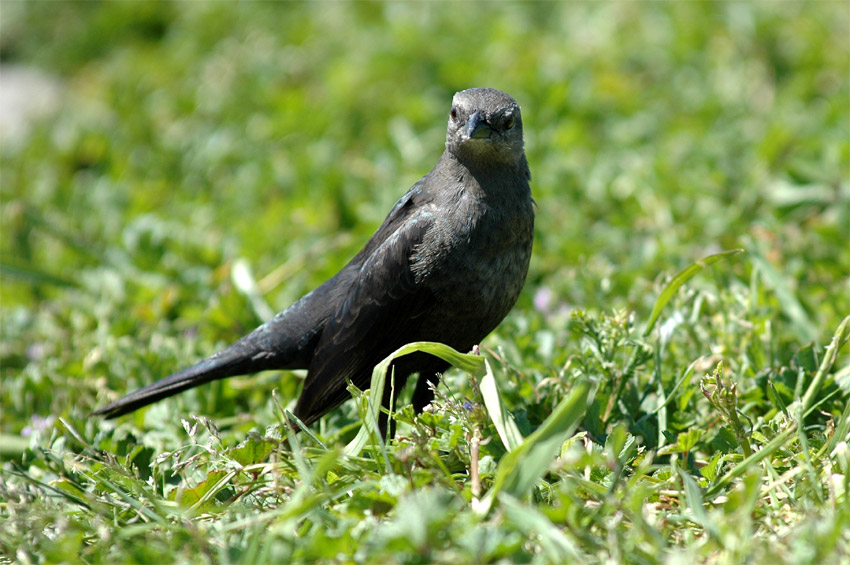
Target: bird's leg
x=429, y=369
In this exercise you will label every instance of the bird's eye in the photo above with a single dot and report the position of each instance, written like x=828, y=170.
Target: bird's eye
x=509, y=123
x=453, y=114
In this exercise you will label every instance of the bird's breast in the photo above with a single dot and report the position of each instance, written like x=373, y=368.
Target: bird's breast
x=474, y=262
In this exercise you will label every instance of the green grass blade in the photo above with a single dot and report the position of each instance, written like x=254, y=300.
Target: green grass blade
x=33, y=276
x=842, y=334
x=12, y=445
x=290, y=417
x=466, y=362
x=520, y=469
x=842, y=430
x=748, y=463
x=694, y=498
x=792, y=307
x=681, y=278
x=18, y=472
x=557, y=547
x=504, y=423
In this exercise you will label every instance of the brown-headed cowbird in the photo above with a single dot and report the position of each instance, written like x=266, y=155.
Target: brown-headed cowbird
x=446, y=265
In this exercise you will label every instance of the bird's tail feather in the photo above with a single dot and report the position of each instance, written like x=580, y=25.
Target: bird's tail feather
x=284, y=342
x=227, y=363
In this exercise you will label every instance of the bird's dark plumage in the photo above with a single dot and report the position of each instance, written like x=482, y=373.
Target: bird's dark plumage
x=446, y=265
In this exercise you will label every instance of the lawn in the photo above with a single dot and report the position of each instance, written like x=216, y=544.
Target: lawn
x=672, y=385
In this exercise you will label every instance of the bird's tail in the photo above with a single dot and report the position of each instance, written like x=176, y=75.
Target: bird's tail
x=232, y=361
x=284, y=342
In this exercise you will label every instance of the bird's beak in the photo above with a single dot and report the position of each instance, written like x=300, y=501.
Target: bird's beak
x=477, y=127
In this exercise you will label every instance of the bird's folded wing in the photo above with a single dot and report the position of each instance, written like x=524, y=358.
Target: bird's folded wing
x=380, y=312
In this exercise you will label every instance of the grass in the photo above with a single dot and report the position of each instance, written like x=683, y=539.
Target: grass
x=649, y=398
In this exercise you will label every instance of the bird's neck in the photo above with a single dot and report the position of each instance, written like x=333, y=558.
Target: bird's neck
x=491, y=179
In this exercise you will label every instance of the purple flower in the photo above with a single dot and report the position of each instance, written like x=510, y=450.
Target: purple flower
x=543, y=299
x=39, y=424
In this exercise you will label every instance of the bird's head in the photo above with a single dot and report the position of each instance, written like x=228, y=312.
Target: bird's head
x=485, y=127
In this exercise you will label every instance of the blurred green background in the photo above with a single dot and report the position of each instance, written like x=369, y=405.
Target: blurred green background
x=190, y=135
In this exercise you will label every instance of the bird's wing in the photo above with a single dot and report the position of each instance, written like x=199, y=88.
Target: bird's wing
x=379, y=313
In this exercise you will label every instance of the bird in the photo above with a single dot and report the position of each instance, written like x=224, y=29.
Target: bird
x=446, y=265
